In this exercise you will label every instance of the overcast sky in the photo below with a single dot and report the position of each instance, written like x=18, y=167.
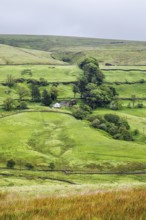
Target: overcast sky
x=114, y=19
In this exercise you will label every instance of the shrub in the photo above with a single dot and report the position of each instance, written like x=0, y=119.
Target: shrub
x=95, y=123
x=141, y=81
x=136, y=132
x=93, y=117
x=126, y=134
x=10, y=164
x=22, y=105
x=112, y=118
x=29, y=166
x=79, y=113
x=43, y=82
x=9, y=104
x=51, y=166
x=140, y=105
x=112, y=129
x=118, y=136
x=103, y=126
x=115, y=105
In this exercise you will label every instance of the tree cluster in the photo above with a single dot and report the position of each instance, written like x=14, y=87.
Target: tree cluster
x=46, y=97
x=117, y=127
x=90, y=85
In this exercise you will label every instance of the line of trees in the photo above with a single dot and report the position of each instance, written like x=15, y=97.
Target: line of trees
x=45, y=97
x=90, y=85
x=29, y=166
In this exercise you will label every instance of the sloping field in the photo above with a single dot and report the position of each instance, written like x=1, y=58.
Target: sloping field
x=50, y=73
x=72, y=49
x=15, y=55
x=45, y=137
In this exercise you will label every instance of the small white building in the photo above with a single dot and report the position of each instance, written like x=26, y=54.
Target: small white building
x=57, y=105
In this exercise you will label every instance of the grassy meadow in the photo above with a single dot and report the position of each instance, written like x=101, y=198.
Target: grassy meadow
x=14, y=55
x=50, y=73
x=44, y=137
x=94, y=177
x=117, y=52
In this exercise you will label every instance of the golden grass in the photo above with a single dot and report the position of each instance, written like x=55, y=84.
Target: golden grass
x=112, y=205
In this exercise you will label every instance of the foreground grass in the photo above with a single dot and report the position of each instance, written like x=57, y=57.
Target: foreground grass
x=115, y=205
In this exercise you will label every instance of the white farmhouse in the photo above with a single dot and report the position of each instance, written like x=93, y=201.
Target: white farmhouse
x=57, y=105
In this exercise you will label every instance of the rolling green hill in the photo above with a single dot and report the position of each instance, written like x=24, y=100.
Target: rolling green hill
x=39, y=136
x=72, y=49
x=16, y=55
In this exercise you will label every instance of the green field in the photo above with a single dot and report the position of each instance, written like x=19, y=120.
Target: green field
x=39, y=137
x=14, y=55
x=127, y=91
x=46, y=137
x=74, y=48
x=124, y=76
x=50, y=73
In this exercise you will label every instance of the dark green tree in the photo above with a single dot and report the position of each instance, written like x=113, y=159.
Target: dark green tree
x=54, y=93
x=82, y=83
x=29, y=166
x=88, y=60
x=97, y=96
x=35, y=93
x=10, y=164
x=92, y=71
x=46, y=98
x=75, y=89
x=51, y=166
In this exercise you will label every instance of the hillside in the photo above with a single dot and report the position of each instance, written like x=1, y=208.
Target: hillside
x=43, y=137
x=40, y=135
x=72, y=49
x=16, y=55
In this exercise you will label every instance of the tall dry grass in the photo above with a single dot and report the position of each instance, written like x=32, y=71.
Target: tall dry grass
x=115, y=205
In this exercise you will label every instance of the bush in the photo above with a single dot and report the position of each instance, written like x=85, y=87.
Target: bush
x=95, y=123
x=93, y=117
x=136, y=132
x=103, y=126
x=124, y=123
x=118, y=136
x=115, y=105
x=140, y=105
x=22, y=105
x=79, y=113
x=9, y=104
x=43, y=82
x=112, y=129
x=10, y=164
x=112, y=118
x=141, y=81
x=51, y=166
x=29, y=166
x=126, y=134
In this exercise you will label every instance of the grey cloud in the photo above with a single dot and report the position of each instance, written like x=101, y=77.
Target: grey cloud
x=118, y=19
